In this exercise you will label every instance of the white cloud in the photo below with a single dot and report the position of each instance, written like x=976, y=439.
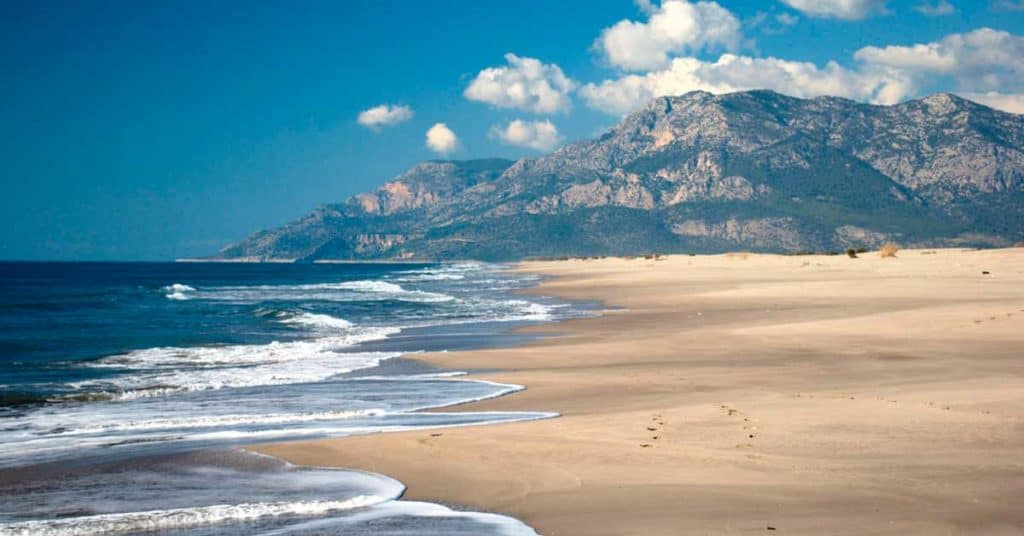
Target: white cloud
x=675, y=27
x=940, y=8
x=1007, y=5
x=384, y=115
x=646, y=6
x=787, y=19
x=524, y=84
x=999, y=101
x=441, y=139
x=838, y=9
x=979, y=62
x=539, y=135
x=769, y=24
x=737, y=73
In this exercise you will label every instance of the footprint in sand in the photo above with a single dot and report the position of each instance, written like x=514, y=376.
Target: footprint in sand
x=658, y=423
x=746, y=427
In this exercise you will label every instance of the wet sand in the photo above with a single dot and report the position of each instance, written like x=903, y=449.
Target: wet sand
x=745, y=394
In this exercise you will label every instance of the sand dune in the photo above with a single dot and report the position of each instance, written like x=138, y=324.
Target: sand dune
x=743, y=393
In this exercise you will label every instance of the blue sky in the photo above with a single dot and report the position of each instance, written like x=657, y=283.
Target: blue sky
x=152, y=130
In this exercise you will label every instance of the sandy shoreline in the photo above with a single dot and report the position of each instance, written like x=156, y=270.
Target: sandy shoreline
x=809, y=394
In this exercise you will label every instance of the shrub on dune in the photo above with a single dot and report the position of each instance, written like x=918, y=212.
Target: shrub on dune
x=888, y=250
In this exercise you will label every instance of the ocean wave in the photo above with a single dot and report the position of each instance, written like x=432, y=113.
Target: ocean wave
x=177, y=291
x=395, y=291
x=462, y=266
x=526, y=310
x=316, y=320
x=370, y=285
x=180, y=518
x=437, y=276
x=439, y=420
x=210, y=421
x=163, y=371
x=448, y=271
x=347, y=291
x=494, y=523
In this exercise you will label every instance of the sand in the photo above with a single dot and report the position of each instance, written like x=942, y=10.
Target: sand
x=745, y=394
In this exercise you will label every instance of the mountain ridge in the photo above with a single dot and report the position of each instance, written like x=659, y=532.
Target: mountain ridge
x=698, y=172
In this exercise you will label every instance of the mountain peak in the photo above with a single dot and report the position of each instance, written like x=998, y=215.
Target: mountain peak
x=944, y=103
x=754, y=170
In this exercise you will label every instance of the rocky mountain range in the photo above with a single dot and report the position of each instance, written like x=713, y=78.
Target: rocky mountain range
x=752, y=170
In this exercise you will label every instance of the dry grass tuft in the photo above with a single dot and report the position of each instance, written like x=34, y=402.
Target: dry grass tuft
x=888, y=250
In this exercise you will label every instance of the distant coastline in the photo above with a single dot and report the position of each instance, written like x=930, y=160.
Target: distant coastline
x=255, y=260
x=252, y=260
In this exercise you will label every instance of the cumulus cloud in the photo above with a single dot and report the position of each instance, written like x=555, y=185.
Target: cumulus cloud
x=737, y=73
x=837, y=9
x=539, y=135
x=938, y=9
x=999, y=101
x=674, y=27
x=647, y=6
x=384, y=115
x=441, y=139
x=979, y=62
x=524, y=84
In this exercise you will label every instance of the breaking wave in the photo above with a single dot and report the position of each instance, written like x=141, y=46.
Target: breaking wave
x=163, y=371
x=319, y=321
x=178, y=291
x=180, y=518
x=348, y=291
x=223, y=420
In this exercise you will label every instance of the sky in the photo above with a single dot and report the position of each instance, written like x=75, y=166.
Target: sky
x=157, y=130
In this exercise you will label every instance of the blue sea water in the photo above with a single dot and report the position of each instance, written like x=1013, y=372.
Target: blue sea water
x=124, y=384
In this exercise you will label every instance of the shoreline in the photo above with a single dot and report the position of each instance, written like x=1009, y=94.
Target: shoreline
x=738, y=392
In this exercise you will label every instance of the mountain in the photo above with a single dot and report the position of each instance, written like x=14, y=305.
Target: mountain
x=752, y=170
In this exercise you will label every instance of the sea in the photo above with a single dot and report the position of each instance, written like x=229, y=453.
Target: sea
x=128, y=389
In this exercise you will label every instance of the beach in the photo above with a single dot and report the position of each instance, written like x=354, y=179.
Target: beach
x=743, y=393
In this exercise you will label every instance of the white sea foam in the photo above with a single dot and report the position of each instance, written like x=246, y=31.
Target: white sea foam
x=438, y=276
x=394, y=291
x=178, y=291
x=525, y=310
x=211, y=421
x=316, y=320
x=167, y=370
x=371, y=285
x=424, y=297
x=499, y=524
x=363, y=290
x=457, y=420
x=179, y=518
